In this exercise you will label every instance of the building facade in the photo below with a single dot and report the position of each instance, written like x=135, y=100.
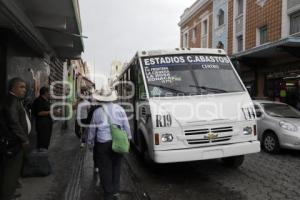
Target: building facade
x=197, y=25
x=116, y=69
x=261, y=36
x=37, y=40
x=220, y=24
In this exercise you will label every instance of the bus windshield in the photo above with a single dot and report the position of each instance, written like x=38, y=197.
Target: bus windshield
x=186, y=75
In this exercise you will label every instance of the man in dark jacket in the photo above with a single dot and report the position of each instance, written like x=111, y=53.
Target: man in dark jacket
x=18, y=124
x=43, y=122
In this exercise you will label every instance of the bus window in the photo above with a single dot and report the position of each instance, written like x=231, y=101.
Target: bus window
x=141, y=85
x=192, y=75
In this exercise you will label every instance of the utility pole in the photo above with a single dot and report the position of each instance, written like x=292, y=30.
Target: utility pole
x=95, y=72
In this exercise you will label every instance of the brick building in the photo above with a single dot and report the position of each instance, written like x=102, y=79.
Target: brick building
x=196, y=25
x=261, y=36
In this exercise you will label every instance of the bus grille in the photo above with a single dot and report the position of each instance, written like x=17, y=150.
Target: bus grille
x=203, y=135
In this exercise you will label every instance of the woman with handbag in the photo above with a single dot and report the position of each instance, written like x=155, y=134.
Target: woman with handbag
x=109, y=120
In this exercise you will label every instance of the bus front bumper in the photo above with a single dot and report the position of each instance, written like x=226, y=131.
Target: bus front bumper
x=205, y=153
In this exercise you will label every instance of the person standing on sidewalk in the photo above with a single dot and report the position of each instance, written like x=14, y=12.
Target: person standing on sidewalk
x=43, y=120
x=19, y=126
x=109, y=162
x=82, y=110
x=94, y=106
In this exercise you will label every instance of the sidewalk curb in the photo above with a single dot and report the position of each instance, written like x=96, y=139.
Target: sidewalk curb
x=73, y=190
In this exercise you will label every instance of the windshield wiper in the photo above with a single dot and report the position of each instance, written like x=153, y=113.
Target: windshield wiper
x=274, y=115
x=167, y=88
x=216, y=90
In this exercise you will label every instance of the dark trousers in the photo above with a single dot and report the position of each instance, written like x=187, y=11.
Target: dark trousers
x=80, y=128
x=44, y=132
x=109, y=164
x=95, y=157
x=11, y=173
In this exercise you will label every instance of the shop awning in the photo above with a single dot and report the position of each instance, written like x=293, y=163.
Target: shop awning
x=287, y=48
x=48, y=26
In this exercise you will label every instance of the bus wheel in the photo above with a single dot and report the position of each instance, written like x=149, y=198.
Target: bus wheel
x=234, y=161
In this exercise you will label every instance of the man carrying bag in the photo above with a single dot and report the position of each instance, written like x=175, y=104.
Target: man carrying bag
x=105, y=119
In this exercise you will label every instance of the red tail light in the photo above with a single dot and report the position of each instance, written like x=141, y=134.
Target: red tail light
x=156, y=139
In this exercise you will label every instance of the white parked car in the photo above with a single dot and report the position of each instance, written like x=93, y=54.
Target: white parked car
x=278, y=125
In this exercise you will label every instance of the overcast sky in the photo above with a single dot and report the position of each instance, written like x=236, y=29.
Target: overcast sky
x=116, y=29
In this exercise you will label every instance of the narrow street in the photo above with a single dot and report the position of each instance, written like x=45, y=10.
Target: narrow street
x=262, y=176
x=197, y=84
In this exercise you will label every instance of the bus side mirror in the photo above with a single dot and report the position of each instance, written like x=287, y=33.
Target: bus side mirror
x=258, y=113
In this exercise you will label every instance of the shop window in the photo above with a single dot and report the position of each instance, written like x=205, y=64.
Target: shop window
x=295, y=23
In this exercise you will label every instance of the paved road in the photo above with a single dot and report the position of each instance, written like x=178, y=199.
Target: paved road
x=261, y=177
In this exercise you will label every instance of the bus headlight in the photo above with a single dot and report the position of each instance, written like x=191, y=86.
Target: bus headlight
x=168, y=137
x=247, y=130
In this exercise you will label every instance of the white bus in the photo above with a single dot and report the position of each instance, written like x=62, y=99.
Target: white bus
x=187, y=105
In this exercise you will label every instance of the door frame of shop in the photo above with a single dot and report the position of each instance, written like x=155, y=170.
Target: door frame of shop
x=3, y=72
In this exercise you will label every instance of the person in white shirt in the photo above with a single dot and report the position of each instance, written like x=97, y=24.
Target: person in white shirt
x=99, y=137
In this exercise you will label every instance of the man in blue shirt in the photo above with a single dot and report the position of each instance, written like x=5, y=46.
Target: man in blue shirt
x=99, y=134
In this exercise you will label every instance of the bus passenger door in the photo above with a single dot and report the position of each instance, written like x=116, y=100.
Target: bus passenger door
x=130, y=98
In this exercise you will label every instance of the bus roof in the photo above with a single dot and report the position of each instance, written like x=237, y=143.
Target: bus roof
x=181, y=51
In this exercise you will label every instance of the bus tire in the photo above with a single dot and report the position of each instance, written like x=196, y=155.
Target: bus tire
x=234, y=161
